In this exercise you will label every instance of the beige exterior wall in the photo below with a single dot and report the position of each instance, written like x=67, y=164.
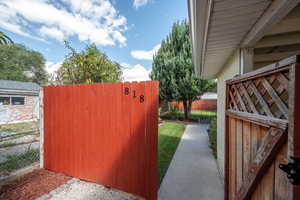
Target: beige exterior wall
x=231, y=69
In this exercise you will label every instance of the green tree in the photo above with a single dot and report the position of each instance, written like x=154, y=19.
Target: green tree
x=173, y=68
x=4, y=39
x=88, y=66
x=21, y=64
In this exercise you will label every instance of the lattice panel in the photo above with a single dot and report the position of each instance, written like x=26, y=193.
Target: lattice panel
x=265, y=95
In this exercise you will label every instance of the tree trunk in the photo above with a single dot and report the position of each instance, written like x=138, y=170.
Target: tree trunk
x=185, y=109
x=189, y=108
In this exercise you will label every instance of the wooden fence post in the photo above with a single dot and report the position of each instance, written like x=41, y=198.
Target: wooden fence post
x=41, y=107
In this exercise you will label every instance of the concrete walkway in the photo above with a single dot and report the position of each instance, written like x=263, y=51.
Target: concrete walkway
x=193, y=173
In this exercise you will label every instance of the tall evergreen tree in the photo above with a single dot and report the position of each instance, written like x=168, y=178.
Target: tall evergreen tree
x=173, y=68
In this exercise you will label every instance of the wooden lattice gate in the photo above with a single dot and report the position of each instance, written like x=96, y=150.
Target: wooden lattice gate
x=105, y=133
x=261, y=132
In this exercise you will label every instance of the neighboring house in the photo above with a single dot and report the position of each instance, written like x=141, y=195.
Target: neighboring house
x=208, y=101
x=232, y=37
x=19, y=101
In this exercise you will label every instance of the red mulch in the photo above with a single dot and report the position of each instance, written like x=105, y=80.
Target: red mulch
x=33, y=185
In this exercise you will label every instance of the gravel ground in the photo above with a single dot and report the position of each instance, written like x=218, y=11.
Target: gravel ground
x=76, y=189
x=32, y=185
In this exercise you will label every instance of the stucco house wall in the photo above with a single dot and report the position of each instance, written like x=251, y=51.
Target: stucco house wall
x=231, y=68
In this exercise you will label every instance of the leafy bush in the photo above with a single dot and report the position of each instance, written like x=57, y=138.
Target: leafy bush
x=196, y=115
x=213, y=135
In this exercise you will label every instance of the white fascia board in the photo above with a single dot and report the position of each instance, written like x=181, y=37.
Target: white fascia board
x=199, y=12
x=19, y=92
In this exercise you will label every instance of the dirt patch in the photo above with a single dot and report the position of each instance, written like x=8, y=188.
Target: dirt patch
x=33, y=185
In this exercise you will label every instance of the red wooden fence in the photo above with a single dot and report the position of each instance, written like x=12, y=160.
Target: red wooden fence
x=201, y=104
x=104, y=133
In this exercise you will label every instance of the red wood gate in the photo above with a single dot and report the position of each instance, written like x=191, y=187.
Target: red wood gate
x=104, y=133
x=262, y=133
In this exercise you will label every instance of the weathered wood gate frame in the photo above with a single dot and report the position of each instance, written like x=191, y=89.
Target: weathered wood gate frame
x=261, y=131
x=105, y=133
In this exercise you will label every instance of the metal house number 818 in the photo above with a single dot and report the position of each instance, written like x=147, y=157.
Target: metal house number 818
x=142, y=97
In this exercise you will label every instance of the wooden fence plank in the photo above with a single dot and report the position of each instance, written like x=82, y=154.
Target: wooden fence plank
x=239, y=154
x=246, y=148
x=126, y=134
x=264, y=156
x=267, y=183
x=153, y=129
x=232, y=158
x=281, y=185
x=111, y=136
x=47, y=127
x=259, y=119
x=148, y=88
x=255, y=135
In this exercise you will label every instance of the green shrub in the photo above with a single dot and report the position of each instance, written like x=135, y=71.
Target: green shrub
x=196, y=115
x=213, y=135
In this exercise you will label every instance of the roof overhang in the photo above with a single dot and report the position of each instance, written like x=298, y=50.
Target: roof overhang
x=199, y=17
x=18, y=92
x=219, y=28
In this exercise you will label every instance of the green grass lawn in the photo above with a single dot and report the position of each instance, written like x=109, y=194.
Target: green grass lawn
x=195, y=115
x=169, y=135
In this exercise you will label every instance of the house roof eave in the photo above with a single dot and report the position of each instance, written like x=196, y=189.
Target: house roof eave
x=198, y=28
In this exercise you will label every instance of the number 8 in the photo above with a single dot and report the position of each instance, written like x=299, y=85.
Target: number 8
x=142, y=98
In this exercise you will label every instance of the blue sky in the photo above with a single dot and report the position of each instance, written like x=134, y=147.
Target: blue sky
x=128, y=31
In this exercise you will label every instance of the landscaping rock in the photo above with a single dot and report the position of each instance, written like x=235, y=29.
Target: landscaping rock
x=76, y=189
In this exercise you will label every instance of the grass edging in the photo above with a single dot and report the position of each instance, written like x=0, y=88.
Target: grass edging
x=169, y=136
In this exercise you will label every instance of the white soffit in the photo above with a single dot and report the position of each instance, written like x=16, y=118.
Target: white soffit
x=228, y=21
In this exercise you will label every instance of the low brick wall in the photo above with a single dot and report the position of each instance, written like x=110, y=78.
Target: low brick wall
x=202, y=104
x=19, y=113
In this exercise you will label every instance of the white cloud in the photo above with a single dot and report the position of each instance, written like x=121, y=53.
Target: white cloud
x=93, y=20
x=52, y=32
x=145, y=55
x=125, y=65
x=139, y=3
x=52, y=67
x=135, y=73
